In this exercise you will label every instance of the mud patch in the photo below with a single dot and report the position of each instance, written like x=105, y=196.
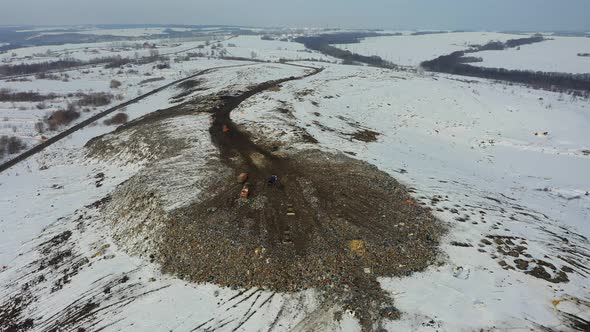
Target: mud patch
x=365, y=135
x=515, y=249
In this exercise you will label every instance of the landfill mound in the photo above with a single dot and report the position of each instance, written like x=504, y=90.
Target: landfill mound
x=326, y=220
x=329, y=222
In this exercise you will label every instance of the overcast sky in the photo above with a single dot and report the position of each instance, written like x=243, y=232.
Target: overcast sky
x=390, y=14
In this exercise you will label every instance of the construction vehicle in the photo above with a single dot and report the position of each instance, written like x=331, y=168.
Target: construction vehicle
x=290, y=210
x=245, y=192
x=273, y=179
x=287, y=237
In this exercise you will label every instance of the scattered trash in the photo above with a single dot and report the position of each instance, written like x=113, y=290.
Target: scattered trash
x=243, y=177
x=225, y=129
x=408, y=202
x=357, y=246
x=367, y=270
x=211, y=209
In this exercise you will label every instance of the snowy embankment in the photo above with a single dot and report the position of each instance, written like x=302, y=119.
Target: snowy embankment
x=517, y=202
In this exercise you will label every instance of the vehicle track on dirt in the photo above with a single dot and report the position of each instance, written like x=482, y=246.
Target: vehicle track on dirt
x=98, y=65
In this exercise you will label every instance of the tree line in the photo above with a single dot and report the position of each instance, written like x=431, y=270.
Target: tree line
x=453, y=64
x=456, y=63
x=322, y=43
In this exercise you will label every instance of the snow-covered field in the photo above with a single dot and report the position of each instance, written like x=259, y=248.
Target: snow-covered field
x=19, y=118
x=557, y=55
x=272, y=50
x=503, y=166
x=410, y=50
x=90, y=51
x=128, y=32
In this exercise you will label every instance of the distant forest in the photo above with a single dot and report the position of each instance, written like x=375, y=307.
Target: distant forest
x=456, y=63
x=322, y=43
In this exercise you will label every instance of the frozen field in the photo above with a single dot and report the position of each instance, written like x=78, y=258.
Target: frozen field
x=409, y=50
x=19, y=118
x=272, y=50
x=557, y=55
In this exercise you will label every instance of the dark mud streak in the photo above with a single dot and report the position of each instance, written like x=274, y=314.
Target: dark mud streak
x=244, y=299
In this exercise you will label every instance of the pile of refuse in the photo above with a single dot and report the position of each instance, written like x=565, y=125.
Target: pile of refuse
x=331, y=223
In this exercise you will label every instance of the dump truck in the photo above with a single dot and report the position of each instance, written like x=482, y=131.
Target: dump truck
x=245, y=192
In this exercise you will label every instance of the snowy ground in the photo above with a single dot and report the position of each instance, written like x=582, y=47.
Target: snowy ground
x=19, y=118
x=468, y=148
x=85, y=52
x=557, y=55
x=410, y=50
x=272, y=50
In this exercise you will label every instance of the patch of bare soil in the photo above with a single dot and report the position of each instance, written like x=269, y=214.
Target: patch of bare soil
x=512, y=249
x=365, y=135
